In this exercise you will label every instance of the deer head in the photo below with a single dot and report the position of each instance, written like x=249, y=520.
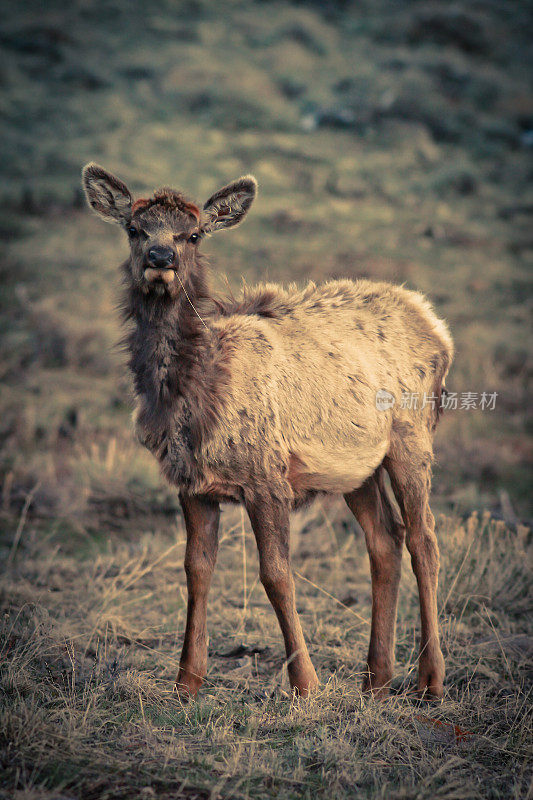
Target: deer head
x=165, y=230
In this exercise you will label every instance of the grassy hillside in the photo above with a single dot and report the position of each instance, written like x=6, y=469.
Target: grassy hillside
x=390, y=140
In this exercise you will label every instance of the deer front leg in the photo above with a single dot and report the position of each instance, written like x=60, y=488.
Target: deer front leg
x=270, y=522
x=201, y=522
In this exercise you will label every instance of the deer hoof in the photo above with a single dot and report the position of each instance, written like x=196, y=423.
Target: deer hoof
x=377, y=682
x=304, y=681
x=431, y=676
x=188, y=684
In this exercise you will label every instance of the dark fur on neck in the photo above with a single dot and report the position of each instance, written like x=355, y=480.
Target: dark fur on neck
x=179, y=365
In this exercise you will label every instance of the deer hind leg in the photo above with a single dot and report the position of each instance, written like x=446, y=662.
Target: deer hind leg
x=384, y=534
x=270, y=522
x=411, y=481
x=201, y=521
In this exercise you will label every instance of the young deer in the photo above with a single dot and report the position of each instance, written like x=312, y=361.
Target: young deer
x=273, y=398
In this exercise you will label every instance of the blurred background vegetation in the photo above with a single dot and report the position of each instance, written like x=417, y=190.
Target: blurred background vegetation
x=390, y=140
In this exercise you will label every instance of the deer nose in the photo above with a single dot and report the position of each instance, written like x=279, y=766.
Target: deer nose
x=161, y=256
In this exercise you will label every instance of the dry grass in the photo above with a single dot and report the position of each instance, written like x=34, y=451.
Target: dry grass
x=89, y=650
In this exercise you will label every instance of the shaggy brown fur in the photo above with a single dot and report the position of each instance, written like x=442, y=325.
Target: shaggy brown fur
x=167, y=198
x=270, y=398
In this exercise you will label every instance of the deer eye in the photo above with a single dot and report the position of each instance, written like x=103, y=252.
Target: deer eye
x=132, y=232
x=193, y=238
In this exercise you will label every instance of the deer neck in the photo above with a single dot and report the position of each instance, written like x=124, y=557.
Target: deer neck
x=171, y=348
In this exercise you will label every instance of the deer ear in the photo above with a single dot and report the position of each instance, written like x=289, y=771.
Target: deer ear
x=107, y=195
x=229, y=205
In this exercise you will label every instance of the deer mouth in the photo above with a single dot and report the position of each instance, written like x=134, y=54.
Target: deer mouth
x=158, y=275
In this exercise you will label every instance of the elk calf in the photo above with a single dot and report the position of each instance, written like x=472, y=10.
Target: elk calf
x=272, y=398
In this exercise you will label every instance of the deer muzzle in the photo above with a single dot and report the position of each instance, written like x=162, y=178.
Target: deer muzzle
x=165, y=275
